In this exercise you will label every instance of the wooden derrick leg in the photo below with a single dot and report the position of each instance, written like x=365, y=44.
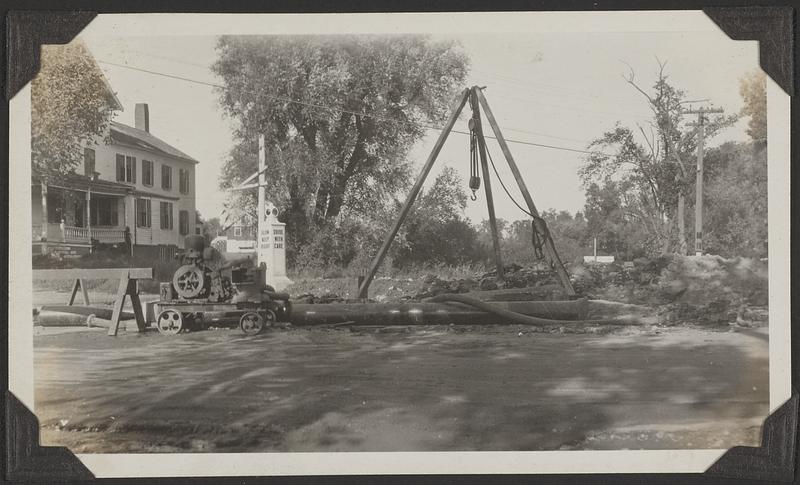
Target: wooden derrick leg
x=122, y=291
x=79, y=283
x=549, y=247
x=376, y=263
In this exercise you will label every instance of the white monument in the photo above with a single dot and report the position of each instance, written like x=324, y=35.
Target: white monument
x=272, y=247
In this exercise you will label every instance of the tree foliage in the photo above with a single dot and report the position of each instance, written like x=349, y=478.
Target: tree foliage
x=753, y=89
x=735, y=222
x=650, y=165
x=70, y=107
x=436, y=230
x=339, y=115
x=569, y=233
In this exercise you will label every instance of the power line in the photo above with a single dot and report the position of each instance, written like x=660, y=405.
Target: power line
x=342, y=110
x=580, y=109
x=549, y=87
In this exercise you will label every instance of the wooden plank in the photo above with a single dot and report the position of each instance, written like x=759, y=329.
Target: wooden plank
x=549, y=246
x=92, y=273
x=118, y=304
x=85, y=293
x=141, y=323
x=362, y=291
x=74, y=290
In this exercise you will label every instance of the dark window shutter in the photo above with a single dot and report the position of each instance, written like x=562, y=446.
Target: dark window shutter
x=120, y=168
x=88, y=161
x=133, y=169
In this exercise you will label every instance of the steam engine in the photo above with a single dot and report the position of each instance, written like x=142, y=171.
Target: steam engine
x=197, y=279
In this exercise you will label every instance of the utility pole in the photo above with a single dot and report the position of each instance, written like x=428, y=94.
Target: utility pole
x=698, y=205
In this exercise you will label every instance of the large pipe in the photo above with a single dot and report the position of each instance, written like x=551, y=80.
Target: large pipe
x=429, y=313
x=85, y=311
x=510, y=316
x=51, y=318
x=531, y=293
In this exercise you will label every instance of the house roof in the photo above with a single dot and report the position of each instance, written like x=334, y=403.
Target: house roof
x=76, y=181
x=139, y=138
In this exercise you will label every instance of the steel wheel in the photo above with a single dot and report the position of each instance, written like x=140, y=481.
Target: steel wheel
x=169, y=322
x=188, y=281
x=251, y=323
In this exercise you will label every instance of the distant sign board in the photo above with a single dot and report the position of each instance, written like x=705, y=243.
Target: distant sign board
x=598, y=259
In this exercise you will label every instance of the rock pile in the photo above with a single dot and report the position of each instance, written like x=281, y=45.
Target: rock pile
x=707, y=290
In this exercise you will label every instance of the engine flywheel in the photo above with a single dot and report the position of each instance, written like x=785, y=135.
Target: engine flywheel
x=188, y=281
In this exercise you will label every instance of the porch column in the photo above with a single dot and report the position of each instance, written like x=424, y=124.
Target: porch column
x=89, y=216
x=44, y=218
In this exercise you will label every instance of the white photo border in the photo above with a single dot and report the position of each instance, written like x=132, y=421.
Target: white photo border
x=20, y=346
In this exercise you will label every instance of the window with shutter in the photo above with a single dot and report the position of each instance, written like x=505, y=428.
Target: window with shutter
x=120, y=168
x=147, y=173
x=88, y=161
x=184, y=181
x=143, y=213
x=183, y=222
x=166, y=177
x=166, y=215
x=126, y=169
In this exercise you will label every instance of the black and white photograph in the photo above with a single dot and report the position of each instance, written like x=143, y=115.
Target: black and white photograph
x=319, y=238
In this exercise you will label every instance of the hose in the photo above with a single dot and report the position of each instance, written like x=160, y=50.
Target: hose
x=515, y=317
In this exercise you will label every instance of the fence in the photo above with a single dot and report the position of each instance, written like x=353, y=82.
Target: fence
x=161, y=252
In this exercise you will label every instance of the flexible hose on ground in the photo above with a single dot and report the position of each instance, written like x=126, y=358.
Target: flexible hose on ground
x=514, y=316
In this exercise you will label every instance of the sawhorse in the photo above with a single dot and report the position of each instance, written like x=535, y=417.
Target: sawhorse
x=128, y=278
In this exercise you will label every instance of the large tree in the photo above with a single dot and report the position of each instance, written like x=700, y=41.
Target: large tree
x=653, y=162
x=339, y=115
x=71, y=106
x=735, y=223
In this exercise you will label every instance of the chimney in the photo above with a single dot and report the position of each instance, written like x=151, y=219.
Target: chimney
x=142, y=117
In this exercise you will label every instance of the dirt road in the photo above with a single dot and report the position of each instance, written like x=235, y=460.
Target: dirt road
x=500, y=388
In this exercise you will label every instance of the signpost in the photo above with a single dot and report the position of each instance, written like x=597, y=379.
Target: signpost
x=271, y=233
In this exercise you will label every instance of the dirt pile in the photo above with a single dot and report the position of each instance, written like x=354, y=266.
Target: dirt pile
x=515, y=276
x=706, y=289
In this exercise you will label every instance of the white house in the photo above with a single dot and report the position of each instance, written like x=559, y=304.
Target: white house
x=129, y=179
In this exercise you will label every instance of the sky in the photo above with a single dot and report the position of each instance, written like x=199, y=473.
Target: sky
x=551, y=88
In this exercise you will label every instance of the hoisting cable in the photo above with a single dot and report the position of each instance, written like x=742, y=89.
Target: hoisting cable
x=516, y=317
x=537, y=239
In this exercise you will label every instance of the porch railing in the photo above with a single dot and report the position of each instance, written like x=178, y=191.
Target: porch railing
x=108, y=234
x=72, y=233
x=59, y=233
